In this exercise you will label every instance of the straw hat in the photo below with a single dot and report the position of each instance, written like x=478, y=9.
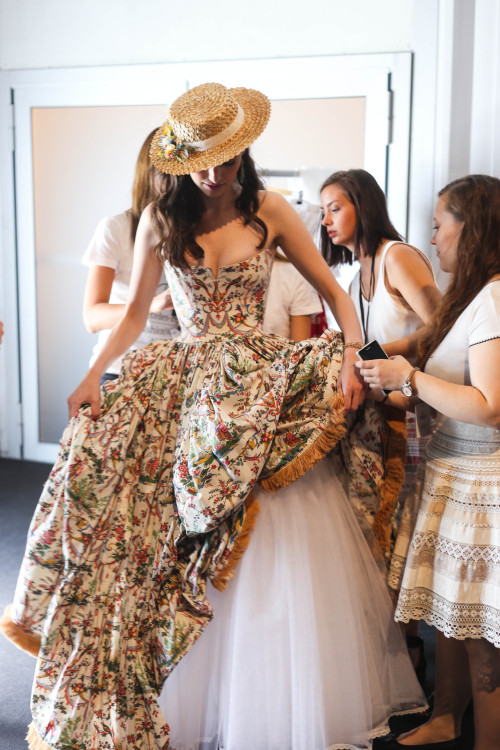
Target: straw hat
x=207, y=126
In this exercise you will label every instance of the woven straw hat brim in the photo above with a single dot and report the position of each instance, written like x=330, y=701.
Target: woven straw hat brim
x=257, y=109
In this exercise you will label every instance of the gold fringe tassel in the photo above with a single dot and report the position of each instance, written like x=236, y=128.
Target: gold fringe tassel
x=334, y=431
x=34, y=740
x=394, y=477
x=252, y=511
x=16, y=635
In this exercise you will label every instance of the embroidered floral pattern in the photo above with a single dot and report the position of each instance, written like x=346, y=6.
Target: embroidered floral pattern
x=145, y=503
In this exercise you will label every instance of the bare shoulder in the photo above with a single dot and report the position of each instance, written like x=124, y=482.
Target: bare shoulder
x=402, y=255
x=147, y=214
x=147, y=228
x=272, y=202
x=402, y=250
x=279, y=216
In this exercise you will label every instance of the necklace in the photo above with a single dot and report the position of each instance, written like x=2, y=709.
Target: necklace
x=368, y=299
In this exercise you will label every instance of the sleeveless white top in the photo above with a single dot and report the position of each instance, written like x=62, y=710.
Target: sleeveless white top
x=388, y=318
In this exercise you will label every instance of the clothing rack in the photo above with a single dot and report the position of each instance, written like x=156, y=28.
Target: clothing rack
x=282, y=173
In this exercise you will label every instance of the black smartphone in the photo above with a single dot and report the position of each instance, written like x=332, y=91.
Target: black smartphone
x=373, y=350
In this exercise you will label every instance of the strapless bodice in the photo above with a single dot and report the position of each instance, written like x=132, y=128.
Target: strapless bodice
x=230, y=303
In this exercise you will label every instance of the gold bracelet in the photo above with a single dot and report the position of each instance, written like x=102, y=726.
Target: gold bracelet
x=353, y=345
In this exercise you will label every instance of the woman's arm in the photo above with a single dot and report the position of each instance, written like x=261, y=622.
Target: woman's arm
x=101, y=315
x=478, y=403
x=407, y=346
x=409, y=275
x=287, y=230
x=146, y=275
x=98, y=313
x=300, y=327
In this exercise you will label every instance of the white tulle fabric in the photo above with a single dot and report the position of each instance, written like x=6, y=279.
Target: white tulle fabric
x=302, y=653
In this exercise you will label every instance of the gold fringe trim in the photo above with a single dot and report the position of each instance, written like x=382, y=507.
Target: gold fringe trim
x=394, y=476
x=16, y=635
x=252, y=511
x=34, y=740
x=309, y=457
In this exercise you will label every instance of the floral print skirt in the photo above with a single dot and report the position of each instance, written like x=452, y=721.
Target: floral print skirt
x=151, y=500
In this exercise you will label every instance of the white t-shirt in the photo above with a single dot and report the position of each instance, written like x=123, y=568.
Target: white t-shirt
x=480, y=321
x=289, y=293
x=112, y=246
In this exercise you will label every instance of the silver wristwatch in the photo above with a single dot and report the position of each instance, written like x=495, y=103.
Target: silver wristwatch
x=406, y=388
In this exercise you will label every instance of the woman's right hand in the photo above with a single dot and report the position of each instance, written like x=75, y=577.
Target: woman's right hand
x=88, y=393
x=388, y=374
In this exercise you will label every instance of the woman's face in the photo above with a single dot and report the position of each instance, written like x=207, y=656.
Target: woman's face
x=447, y=231
x=339, y=216
x=217, y=181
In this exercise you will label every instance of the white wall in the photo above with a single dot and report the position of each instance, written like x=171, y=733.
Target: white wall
x=463, y=119
x=58, y=33
x=485, y=119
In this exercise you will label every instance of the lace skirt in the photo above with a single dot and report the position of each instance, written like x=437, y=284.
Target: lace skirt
x=452, y=574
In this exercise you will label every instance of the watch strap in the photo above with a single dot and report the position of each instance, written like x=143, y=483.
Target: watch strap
x=407, y=382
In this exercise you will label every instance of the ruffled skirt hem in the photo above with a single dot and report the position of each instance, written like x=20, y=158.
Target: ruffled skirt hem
x=454, y=620
x=24, y=640
x=34, y=740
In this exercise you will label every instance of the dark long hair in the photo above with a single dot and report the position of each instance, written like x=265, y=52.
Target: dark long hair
x=149, y=182
x=177, y=214
x=372, y=220
x=474, y=201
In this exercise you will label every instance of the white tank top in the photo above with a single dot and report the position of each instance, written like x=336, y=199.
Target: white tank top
x=388, y=319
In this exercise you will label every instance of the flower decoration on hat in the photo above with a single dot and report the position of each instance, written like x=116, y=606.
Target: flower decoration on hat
x=170, y=149
x=207, y=126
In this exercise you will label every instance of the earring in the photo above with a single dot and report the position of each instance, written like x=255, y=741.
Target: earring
x=241, y=173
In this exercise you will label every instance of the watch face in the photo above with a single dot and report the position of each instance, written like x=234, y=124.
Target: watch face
x=406, y=390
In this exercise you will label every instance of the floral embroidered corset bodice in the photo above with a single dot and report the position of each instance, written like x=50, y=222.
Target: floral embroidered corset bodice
x=231, y=303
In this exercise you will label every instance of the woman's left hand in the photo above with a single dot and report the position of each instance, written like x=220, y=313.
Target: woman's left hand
x=350, y=382
x=389, y=374
x=162, y=301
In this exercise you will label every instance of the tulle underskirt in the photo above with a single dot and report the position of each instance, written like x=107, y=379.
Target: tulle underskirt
x=302, y=652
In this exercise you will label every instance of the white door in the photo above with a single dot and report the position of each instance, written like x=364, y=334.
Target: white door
x=77, y=135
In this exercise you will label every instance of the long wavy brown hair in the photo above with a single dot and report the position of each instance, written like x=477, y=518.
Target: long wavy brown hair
x=149, y=182
x=372, y=219
x=474, y=201
x=177, y=214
